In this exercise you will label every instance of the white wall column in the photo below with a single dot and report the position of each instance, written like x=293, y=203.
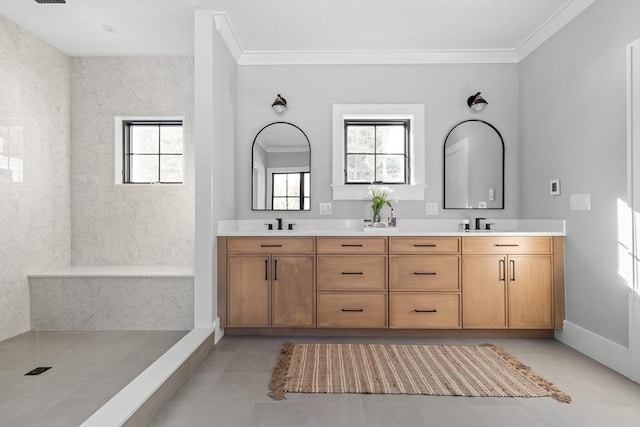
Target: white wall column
x=633, y=188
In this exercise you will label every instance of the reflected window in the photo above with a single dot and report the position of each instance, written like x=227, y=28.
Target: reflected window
x=291, y=191
x=152, y=152
x=11, y=154
x=376, y=151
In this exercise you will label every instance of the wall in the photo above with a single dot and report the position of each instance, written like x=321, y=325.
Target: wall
x=34, y=207
x=573, y=127
x=311, y=90
x=128, y=224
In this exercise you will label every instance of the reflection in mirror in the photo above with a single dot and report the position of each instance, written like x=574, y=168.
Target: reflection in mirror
x=281, y=168
x=474, y=167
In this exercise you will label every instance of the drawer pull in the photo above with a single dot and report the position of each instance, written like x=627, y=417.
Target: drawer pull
x=266, y=269
x=427, y=245
x=501, y=273
x=265, y=245
x=353, y=309
x=352, y=272
x=275, y=270
x=354, y=245
x=429, y=273
x=426, y=311
x=506, y=245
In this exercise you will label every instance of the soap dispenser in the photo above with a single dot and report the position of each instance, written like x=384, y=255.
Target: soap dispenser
x=392, y=219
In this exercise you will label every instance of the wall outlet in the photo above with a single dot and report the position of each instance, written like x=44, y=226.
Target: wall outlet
x=432, y=208
x=580, y=202
x=325, y=208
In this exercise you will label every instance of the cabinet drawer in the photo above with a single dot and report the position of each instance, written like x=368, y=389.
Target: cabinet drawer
x=352, y=273
x=424, y=245
x=352, y=245
x=352, y=310
x=424, y=272
x=507, y=245
x=271, y=245
x=420, y=310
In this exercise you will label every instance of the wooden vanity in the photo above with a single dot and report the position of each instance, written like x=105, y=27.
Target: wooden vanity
x=473, y=285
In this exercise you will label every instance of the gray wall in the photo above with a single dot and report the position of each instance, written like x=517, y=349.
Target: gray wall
x=312, y=90
x=128, y=224
x=34, y=205
x=573, y=127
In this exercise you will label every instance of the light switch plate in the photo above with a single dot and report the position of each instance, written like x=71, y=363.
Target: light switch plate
x=580, y=202
x=325, y=208
x=432, y=208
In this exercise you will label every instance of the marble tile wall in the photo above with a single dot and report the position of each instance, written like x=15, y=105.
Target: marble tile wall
x=34, y=167
x=119, y=224
x=111, y=303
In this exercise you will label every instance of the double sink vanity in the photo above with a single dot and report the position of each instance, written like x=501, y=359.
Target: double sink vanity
x=425, y=277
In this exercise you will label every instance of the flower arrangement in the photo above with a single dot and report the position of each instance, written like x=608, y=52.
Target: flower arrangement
x=379, y=197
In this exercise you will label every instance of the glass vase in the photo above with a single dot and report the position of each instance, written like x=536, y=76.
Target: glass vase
x=376, y=215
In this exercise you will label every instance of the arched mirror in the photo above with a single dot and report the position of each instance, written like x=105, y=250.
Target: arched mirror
x=281, y=169
x=474, y=167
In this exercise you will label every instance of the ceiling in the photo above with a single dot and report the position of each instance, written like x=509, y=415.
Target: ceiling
x=327, y=30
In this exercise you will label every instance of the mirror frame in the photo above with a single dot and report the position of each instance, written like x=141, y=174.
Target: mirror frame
x=252, y=159
x=444, y=165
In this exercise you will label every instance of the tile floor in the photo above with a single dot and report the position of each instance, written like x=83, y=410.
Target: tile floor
x=88, y=369
x=229, y=389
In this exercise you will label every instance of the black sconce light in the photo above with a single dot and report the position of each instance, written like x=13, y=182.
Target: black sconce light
x=476, y=102
x=279, y=105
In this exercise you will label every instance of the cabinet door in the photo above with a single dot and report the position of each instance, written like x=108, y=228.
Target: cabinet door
x=248, y=291
x=293, y=293
x=530, y=291
x=484, y=292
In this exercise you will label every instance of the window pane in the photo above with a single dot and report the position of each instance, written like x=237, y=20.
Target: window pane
x=307, y=204
x=144, y=139
x=171, y=168
x=307, y=185
x=144, y=168
x=280, y=203
x=171, y=139
x=279, y=185
x=360, y=139
x=293, y=185
x=390, y=169
x=360, y=168
x=293, y=203
x=390, y=139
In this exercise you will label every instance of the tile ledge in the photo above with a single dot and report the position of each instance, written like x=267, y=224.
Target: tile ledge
x=117, y=271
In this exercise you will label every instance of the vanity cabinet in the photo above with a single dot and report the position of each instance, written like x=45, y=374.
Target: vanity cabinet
x=476, y=283
x=508, y=282
x=352, y=282
x=271, y=282
x=424, y=283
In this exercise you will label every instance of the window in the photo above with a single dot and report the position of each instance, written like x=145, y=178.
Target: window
x=152, y=151
x=378, y=143
x=377, y=151
x=290, y=191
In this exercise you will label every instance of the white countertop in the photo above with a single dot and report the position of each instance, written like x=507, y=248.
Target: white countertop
x=504, y=227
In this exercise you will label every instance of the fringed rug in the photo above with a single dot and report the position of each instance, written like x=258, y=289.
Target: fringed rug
x=438, y=370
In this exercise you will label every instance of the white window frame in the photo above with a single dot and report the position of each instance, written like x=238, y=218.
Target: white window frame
x=119, y=147
x=415, y=113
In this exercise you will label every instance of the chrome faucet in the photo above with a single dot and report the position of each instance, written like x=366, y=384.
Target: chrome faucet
x=478, y=225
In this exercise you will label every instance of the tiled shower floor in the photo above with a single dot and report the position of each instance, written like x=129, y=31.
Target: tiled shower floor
x=88, y=368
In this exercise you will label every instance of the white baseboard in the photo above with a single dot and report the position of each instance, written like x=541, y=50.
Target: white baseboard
x=600, y=349
x=218, y=331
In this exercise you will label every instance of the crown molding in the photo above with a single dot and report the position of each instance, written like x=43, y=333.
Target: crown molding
x=376, y=57
x=562, y=17
x=224, y=27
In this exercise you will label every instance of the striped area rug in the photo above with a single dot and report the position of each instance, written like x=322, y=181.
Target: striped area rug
x=439, y=370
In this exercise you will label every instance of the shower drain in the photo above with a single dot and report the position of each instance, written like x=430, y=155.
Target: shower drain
x=38, y=370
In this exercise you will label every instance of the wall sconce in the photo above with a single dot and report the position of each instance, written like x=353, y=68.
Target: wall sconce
x=279, y=105
x=476, y=102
